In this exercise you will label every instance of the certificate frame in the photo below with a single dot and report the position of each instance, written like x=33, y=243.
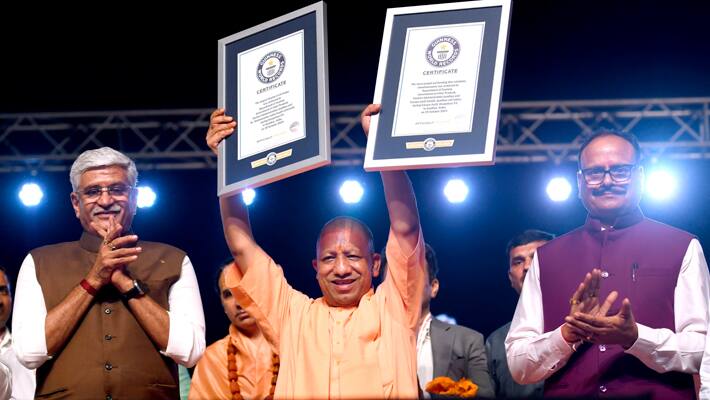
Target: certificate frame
x=238, y=171
x=474, y=146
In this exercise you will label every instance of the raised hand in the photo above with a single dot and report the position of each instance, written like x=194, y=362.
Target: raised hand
x=221, y=126
x=586, y=297
x=366, y=115
x=615, y=329
x=584, y=300
x=115, y=252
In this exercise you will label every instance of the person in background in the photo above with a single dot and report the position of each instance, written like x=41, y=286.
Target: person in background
x=20, y=380
x=444, y=349
x=242, y=364
x=520, y=251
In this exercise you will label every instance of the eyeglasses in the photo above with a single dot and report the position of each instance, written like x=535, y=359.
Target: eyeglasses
x=618, y=173
x=93, y=193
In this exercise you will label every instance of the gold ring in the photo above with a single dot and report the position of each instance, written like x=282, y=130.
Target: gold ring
x=573, y=302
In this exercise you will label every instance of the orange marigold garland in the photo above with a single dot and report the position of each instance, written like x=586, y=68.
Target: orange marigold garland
x=232, y=373
x=445, y=386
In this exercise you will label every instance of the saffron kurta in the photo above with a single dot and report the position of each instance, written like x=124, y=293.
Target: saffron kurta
x=254, y=368
x=361, y=352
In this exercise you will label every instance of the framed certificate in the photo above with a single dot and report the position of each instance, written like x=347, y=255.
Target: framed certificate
x=439, y=81
x=273, y=78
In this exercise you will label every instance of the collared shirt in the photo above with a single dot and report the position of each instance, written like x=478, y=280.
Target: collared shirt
x=366, y=351
x=425, y=357
x=187, y=321
x=254, y=368
x=23, y=379
x=533, y=354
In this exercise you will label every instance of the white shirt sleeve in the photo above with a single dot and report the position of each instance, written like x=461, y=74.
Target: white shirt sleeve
x=533, y=355
x=664, y=350
x=28, y=316
x=186, y=339
x=5, y=382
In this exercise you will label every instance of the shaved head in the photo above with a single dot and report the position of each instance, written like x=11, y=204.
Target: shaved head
x=338, y=223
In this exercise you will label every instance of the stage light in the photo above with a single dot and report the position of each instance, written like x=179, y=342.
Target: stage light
x=248, y=196
x=146, y=197
x=661, y=184
x=31, y=194
x=446, y=318
x=456, y=190
x=558, y=189
x=351, y=191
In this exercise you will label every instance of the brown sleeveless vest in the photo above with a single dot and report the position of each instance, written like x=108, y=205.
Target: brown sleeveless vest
x=108, y=356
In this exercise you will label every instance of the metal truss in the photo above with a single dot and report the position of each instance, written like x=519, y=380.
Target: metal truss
x=535, y=131
x=551, y=131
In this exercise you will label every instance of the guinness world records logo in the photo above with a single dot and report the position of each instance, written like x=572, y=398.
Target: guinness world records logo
x=443, y=51
x=271, y=66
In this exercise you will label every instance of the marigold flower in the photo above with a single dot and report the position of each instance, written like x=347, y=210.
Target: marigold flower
x=445, y=386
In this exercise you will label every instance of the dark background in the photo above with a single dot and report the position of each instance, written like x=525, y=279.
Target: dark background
x=134, y=56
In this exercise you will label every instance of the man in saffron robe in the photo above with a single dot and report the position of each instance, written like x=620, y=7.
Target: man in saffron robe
x=648, y=344
x=353, y=342
x=255, y=362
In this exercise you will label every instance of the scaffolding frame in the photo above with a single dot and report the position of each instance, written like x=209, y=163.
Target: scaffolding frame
x=528, y=132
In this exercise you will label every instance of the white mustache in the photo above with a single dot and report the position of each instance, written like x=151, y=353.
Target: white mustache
x=114, y=208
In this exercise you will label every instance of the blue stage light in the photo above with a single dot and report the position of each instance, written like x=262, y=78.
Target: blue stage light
x=248, y=196
x=351, y=191
x=456, y=191
x=661, y=184
x=146, y=197
x=31, y=194
x=558, y=189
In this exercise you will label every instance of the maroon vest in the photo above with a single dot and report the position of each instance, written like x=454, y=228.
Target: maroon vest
x=641, y=259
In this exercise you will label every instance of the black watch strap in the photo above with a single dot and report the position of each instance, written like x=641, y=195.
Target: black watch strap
x=136, y=291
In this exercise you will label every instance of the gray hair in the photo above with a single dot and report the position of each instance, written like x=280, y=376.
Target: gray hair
x=103, y=157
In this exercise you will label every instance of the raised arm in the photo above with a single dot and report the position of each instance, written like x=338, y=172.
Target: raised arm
x=402, y=208
x=406, y=263
x=235, y=217
x=237, y=232
x=401, y=203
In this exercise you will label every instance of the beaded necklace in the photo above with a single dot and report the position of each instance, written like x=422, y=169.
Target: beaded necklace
x=232, y=373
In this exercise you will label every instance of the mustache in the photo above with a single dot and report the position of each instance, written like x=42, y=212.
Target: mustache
x=114, y=208
x=613, y=189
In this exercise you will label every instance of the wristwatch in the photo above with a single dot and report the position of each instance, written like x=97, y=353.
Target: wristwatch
x=138, y=290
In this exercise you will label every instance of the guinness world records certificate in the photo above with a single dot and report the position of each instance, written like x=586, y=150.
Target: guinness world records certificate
x=435, y=85
x=273, y=78
x=439, y=82
x=270, y=101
